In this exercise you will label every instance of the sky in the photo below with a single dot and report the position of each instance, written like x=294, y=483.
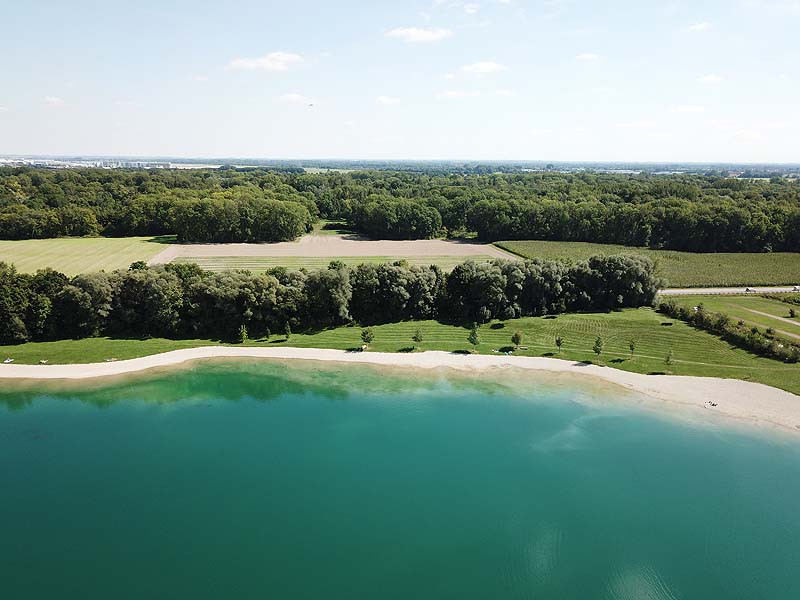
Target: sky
x=611, y=80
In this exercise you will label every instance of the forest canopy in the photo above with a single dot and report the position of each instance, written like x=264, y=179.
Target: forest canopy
x=681, y=212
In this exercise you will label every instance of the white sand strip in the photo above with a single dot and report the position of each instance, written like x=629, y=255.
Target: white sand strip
x=733, y=398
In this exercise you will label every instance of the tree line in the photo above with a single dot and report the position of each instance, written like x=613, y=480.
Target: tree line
x=682, y=212
x=183, y=300
x=737, y=332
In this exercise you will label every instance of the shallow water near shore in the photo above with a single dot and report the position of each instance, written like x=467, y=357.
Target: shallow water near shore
x=268, y=479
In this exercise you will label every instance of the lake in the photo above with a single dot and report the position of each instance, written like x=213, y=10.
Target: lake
x=269, y=480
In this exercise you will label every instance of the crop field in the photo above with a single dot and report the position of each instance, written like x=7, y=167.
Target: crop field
x=258, y=264
x=753, y=310
x=695, y=352
x=681, y=269
x=79, y=255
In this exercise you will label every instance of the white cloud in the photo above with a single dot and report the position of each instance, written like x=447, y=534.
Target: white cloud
x=789, y=7
x=449, y=76
x=294, y=98
x=200, y=78
x=3, y=108
x=387, y=100
x=484, y=67
x=471, y=9
x=641, y=124
x=689, y=109
x=458, y=94
x=415, y=35
x=720, y=123
x=53, y=101
x=274, y=62
x=587, y=57
x=710, y=79
x=503, y=93
x=424, y=15
x=129, y=104
x=700, y=26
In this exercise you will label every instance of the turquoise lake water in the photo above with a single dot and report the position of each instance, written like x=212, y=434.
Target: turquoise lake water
x=261, y=480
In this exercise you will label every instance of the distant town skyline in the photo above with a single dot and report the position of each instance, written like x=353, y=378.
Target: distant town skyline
x=561, y=80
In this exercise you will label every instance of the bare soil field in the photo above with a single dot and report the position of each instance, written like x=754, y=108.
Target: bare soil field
x=317, y=246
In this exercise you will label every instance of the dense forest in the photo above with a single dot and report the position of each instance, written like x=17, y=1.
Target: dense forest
x=682, y=212
x=180, y=299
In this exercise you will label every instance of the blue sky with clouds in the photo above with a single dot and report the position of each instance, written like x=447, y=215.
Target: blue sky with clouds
x=707, y=80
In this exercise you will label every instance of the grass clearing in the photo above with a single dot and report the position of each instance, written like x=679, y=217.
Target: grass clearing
x=695, y=352
x=753, y=310
x=258, y=264
x=72, y=256
x=681, y=269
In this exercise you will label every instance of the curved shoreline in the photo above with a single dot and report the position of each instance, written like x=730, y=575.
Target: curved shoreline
x=743, y=400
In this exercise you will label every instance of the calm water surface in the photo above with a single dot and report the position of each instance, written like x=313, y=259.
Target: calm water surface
x=267, y=481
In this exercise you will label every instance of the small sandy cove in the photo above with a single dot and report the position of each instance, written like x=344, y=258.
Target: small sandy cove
x=733, y=398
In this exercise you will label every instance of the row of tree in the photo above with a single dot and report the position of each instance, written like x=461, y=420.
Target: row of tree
x=184, y=300
x=683, y=212
x=737, y=332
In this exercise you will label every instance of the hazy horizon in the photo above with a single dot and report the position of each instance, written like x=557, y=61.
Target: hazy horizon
x=491, y=80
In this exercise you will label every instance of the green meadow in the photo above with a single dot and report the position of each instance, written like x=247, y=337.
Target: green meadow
x=754, y=310
x=72, y=256
x=694, y=352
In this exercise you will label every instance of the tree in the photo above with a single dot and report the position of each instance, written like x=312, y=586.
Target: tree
x=668, y=358
x=243, y=333
x=367, y=335
x=417, y=337
x=632, y=346
x=598, y=346
x=474, y=338
x=559, y=343
x=287, y=330
x=792, y=313
x=516, y=339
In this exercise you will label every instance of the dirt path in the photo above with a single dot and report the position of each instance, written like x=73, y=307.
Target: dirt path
x=725, y=290
x=780, y=331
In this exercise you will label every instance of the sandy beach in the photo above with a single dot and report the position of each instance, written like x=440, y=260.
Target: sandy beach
x=732, y=398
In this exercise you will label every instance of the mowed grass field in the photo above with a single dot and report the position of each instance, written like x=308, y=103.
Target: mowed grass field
x=753, y=310
x=72, y=256
x=695, y=352
x=681, y=269
x=258, y=264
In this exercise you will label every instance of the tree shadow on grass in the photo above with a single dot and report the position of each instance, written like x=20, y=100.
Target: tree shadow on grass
x=164, y=239
x=617, y=361
x=497, y=326
x=407, y=349
x=657, y=373
x=461, y=352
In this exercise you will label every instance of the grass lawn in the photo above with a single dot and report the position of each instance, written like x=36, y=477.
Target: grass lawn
x=80, y=255
x=753, y=310
x=695, y=352
x=258, y=264
x=681, y=269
